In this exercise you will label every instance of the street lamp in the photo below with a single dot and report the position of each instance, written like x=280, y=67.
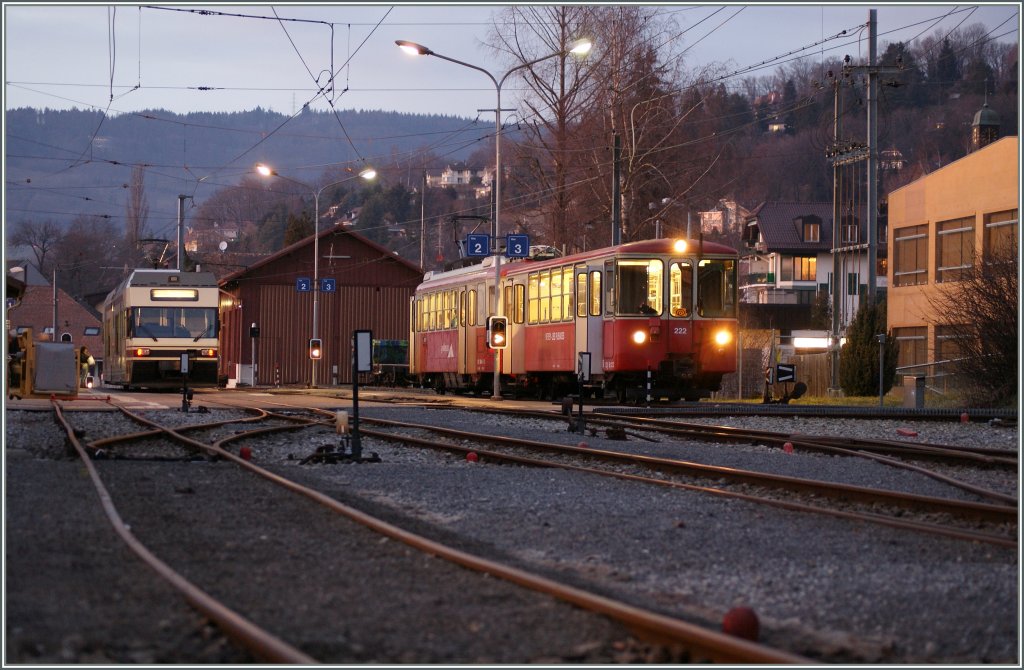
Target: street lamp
x=579, y=47
x=367, y=174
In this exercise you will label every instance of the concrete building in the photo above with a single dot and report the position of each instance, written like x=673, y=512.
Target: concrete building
x=940, y=224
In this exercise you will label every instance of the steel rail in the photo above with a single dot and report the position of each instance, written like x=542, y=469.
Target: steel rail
x=999, y=513
x=707, y=645
x=860, y=448
x=894, y=522
x=252, y=637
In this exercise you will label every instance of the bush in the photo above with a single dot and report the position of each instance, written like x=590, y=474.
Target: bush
x=858, y=358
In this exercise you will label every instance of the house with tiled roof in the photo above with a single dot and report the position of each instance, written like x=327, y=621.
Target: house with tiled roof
x=75, y=323
x=788, y=256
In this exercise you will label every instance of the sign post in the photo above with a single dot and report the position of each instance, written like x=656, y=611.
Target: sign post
x=582, y=376
x=362, y=346
x=254, y=333
x=186, y=395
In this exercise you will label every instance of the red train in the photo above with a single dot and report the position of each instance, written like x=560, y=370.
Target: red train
x=657, y=312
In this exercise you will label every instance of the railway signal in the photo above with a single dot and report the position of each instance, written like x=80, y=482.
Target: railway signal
x=315, y=349
x=497, y=327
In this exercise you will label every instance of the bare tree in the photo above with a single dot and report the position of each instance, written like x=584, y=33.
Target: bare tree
x=559, y=89
x=42, y=237
x=136, y=216
x=86, y=259
x=980, y=318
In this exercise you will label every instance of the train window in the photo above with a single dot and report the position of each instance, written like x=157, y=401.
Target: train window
x=544, y=297
x=609, y=287
x=462, y=308
x=556, y=295
x=680, y=280
x=534, y=298
x=595, y=293
x=581, y=294
x=640, y=286
x=471, y=306
x=567, y=294
x=519, y=313
x=716, y=288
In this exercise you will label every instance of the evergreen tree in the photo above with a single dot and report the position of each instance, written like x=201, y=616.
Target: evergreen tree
x=858, y=358
x=297, y=228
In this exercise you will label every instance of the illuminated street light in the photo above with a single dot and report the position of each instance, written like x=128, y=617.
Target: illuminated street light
x=367, y=174
x=578, y=47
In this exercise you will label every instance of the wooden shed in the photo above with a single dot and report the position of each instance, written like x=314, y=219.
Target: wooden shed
x=367, y=288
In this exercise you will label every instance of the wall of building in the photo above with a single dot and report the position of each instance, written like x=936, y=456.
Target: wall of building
x=981, y=183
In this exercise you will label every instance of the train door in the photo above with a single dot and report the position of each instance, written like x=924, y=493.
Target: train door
x=588, y=314
x=680, y=303
x=514, y=356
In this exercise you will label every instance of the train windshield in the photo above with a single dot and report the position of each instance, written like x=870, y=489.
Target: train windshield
x=158, y=322
x=716, y=288
x=640, y=286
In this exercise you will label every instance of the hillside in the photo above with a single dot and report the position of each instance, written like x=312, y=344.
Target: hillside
x=61, y=164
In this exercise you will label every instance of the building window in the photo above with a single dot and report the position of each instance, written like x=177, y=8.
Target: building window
x=910, y=266
x=805, y=268
x=799, y=268
x=812, y=231
x=954, y=248
x=850, y=229
x=946, y=346
x=913, y=345
x=1000, y=233
x=91, y=330
x=852, y=282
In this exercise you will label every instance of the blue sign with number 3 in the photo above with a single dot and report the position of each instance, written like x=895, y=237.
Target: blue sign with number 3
x=517, y=246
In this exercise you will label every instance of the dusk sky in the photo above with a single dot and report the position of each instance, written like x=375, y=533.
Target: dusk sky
x=127, y=58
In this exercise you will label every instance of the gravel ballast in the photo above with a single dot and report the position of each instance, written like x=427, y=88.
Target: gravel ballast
x=832, y=589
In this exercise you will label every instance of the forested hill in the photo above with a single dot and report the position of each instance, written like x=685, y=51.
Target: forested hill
x=63, y=164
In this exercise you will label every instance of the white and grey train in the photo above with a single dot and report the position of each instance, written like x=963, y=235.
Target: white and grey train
x=151, y=320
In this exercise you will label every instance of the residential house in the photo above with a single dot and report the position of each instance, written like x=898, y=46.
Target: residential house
x=788, y=258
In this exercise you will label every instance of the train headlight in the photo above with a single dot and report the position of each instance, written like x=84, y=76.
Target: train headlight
x=723, y=337
x=208, y=353
x=140, y=351
x=679, y=246
x=639, y=336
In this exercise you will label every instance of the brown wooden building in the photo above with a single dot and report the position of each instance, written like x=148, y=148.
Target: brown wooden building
x=372, y=290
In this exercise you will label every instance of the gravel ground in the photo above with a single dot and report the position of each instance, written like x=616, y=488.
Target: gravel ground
x=830, y=589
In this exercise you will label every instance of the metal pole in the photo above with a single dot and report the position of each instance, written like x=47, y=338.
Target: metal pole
x=423, y=222
x=872, y=155
x=53, y=335
x=836, y=225
x=496, y=391
x=252, y=366
x=316, y=275
x=181, y=232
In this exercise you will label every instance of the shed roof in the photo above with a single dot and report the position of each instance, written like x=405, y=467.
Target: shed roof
x=308, y=241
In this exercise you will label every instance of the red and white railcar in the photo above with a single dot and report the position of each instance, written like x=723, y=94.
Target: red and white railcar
x=656, y=316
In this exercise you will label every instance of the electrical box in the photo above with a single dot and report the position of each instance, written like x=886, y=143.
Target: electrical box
x=55, y=368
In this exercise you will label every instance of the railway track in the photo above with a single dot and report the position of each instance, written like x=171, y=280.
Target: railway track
x=700, y=644
x=850, y=502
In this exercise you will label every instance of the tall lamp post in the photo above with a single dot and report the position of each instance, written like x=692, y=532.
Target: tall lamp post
x=367, y=174
x=579, y=47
